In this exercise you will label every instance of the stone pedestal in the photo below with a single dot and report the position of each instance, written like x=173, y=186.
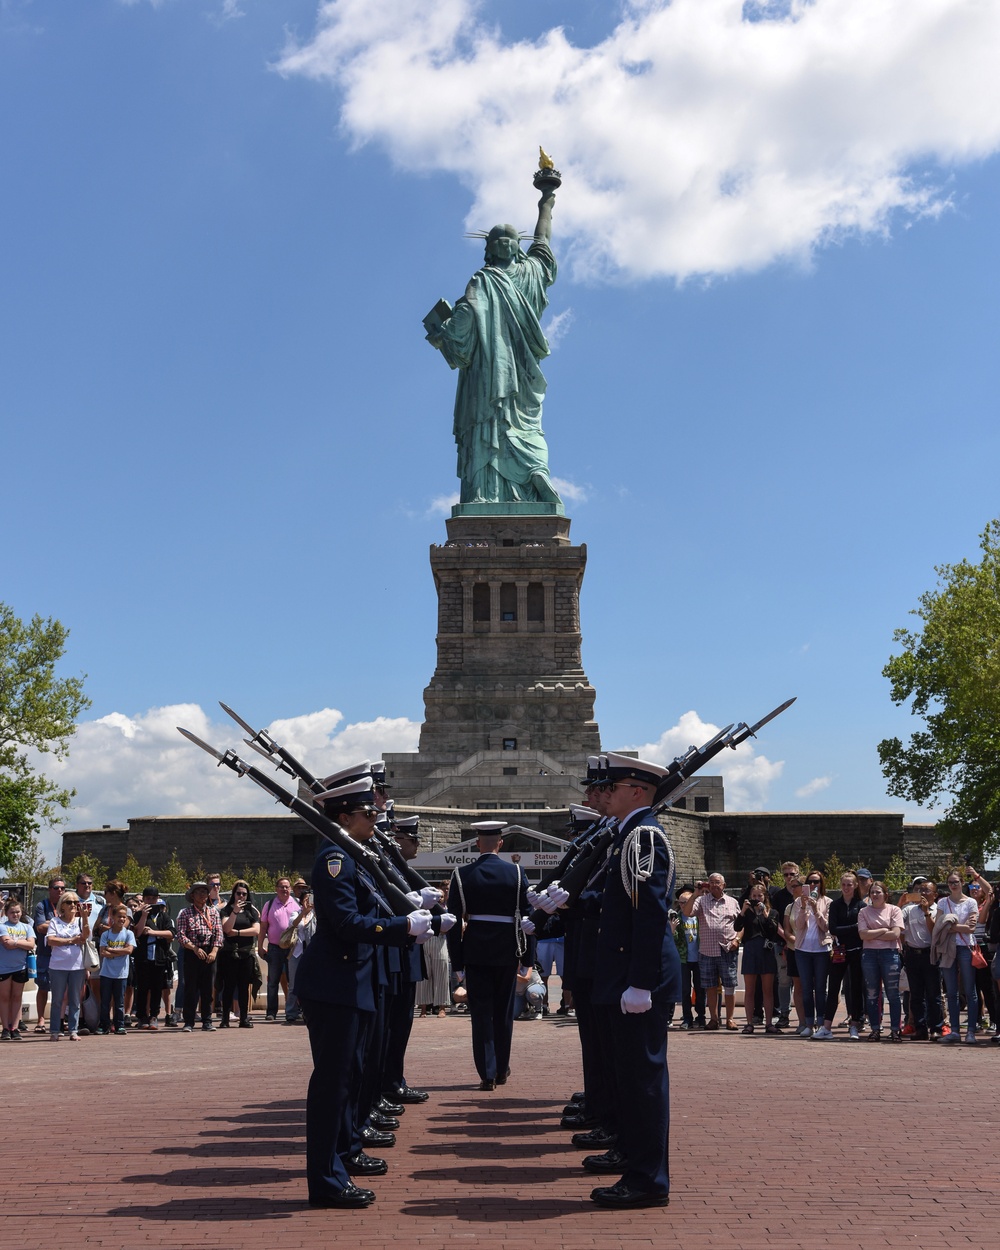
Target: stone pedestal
x=509, y=711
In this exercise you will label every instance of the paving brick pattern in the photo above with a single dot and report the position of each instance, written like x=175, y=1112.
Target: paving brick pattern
x=195, y=1140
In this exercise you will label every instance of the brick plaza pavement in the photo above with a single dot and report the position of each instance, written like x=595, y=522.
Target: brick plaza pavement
x=180, y=1140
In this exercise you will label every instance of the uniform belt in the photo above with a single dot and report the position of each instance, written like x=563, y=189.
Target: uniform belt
x=494, y=919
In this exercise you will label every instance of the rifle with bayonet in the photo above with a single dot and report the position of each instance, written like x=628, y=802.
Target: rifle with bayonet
x=262, y=742
x=329, y=829
x=580, y=869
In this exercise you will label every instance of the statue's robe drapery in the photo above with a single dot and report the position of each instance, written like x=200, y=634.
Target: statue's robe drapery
x=494, y=338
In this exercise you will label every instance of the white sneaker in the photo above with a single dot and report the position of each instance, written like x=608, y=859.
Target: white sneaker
x=852, y=1034
x=805, y=1031
x=822, y=1034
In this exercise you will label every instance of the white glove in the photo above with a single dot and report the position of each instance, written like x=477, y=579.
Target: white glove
x=418, y=923
x=635, y=1002
x=415, y=898
x=557, y=893
x=429, y=897
x=546, y=904
x=527, y=927
x=422, y=939
x=533, y=898
x=448, y=921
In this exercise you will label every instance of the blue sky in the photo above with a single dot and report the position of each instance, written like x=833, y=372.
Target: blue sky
x=772, y=394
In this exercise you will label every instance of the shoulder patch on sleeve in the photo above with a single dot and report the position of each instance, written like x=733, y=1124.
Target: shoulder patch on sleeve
x=333, y=866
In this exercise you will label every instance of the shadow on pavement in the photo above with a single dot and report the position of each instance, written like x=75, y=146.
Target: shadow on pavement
x=206, y=1211
x=213, y=1178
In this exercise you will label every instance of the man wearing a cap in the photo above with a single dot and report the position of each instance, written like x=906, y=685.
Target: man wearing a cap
x=335, y=983
x=154, y=931
x=636, y=982
x=489, y=898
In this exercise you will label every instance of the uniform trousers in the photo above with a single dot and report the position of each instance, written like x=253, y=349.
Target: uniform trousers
x=370, y=1063
x=335, y=1036
x=600, y=1084
x=643, y=1091
x=400, y=1023
x=925, y=988
x=491, y=1009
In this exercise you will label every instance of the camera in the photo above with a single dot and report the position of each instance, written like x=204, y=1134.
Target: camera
x=759, y=876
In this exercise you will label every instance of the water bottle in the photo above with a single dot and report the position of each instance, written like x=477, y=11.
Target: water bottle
x=31, y=964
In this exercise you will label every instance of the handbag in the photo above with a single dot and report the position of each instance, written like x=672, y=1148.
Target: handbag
x=287, y=939
x=978, y=958
x=91, y=959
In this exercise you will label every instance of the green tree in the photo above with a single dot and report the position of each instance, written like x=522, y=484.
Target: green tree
x=173, y=876
x=896, y=875
x=29, y=865
x=38, y=712
x=833, y=870
x=135, y=875
x=950, y=670
x=86, y=865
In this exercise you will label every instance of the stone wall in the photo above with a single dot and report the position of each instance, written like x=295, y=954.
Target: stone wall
x=738, y=842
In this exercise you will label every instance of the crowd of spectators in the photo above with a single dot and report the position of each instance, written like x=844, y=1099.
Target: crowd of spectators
x=929, y=956
x=104, y=963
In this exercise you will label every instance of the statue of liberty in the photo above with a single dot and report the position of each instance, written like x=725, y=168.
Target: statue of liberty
x=493, y=337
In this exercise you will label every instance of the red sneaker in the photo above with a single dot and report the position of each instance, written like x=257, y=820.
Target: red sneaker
x=945, y=1031
x=908, y=1030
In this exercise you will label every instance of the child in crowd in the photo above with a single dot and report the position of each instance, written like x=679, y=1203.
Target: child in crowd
x=117, y=943
x=17, y=939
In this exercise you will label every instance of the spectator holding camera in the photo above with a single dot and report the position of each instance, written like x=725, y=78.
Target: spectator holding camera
x=813, y=946
x=68, y=930
x=17, y=940
x=845, y=960
x=237, y=958
x=759, y=927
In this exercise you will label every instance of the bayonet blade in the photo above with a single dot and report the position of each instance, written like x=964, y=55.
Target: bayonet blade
x=752, y=731
x=238, y=719
x=198, y=743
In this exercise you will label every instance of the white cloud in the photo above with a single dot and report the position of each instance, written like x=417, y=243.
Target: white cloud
x=557, y=327
x=694, y=139
x=441, y=505
x=124, y=766
x=813, y=787
x=570, y=491
x=747, y=775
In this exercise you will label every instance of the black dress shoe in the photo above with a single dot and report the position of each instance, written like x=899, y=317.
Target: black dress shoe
x=364, y=1165
x=383, y=1122
x=349, y=1196
x=487, y=1086
x=596, y=1139
x=409, y=1095
x=246, y=1024
x=223, y=1024
x=375, y=1137
x=388, y=1107
x=612, y=1160
x=579, y=1096
x=573, y=1108
x=622, y=1196
x=502, y=1080
x=578, y=1121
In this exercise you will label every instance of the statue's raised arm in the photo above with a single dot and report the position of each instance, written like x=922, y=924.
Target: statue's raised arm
x=493, y=336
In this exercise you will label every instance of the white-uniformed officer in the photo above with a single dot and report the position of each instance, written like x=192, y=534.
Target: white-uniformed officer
x=489, y=899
